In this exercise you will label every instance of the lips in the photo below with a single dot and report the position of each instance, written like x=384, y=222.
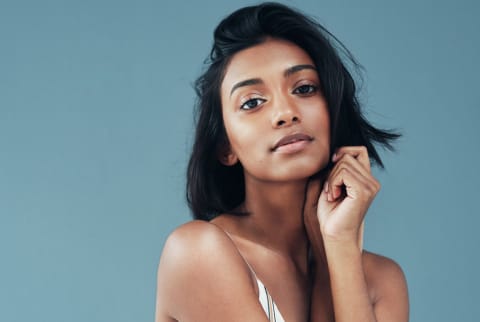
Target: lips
x=289, y=139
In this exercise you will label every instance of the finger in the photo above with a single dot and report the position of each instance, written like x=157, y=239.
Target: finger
x=354, y=183
x=323, y=200
x=353, y=166
x=358, y=152
x=351, y=162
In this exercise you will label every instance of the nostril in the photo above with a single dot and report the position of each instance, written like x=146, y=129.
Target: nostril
x=280, y=123
x=295, y=119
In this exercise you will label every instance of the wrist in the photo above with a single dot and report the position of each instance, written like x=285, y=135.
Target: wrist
x=345, y=238
x=341, y=247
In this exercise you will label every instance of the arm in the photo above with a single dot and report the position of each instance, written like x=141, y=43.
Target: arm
x=372, y=282
x=202, y=277
x=348, y=285
x=351, y=299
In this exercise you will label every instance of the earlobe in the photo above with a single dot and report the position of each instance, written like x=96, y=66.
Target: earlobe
x=228, y=158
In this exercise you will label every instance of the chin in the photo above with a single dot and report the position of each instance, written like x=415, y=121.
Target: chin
x=293, y=169
x=299, y=170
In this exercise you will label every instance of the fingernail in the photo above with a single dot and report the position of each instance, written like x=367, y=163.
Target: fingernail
x=325, y=186
x=334, y=156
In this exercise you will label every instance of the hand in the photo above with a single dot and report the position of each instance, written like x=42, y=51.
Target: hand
x=347, y=193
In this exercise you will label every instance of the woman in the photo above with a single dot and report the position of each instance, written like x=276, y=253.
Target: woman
x=279, y=181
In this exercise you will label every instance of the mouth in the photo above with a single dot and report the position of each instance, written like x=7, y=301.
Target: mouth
x=292, y=143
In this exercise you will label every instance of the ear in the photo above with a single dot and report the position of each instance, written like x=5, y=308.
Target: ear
x=228, y=157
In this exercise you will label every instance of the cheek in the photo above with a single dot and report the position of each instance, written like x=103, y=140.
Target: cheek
x=317, y=116
x=241, y=136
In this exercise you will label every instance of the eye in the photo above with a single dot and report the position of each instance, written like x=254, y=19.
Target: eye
x=306, y=89
x=252, y=103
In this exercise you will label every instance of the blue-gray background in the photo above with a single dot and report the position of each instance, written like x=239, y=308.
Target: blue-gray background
x=96, y=125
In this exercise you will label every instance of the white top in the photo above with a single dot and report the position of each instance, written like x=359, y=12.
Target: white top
x=268, y=305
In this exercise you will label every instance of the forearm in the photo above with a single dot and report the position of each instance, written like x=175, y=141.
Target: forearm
x=349, y=290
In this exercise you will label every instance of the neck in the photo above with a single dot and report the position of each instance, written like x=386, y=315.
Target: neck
x=276, y=216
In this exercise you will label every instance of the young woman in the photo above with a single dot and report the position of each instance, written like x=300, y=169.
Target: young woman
x=279, y=181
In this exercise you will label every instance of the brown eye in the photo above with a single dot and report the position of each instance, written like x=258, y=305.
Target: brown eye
x=305, y=89
x=252, y=103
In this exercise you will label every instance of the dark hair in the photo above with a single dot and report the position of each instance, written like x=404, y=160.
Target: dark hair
x=213, y=188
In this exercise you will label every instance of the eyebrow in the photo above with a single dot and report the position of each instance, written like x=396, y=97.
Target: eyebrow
x=288, y=72
x=248, y=82
x=295, y=69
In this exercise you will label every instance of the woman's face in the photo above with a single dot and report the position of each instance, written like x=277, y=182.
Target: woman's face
x=275, y=116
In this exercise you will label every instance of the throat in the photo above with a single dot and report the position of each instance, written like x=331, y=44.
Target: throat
x=275, y=217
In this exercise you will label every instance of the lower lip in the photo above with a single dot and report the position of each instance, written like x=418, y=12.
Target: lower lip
x=292, y=147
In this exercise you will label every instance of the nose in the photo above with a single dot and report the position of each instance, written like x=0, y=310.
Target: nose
x=286, y=114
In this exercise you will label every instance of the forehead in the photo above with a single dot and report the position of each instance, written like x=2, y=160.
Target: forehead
x=269, y=56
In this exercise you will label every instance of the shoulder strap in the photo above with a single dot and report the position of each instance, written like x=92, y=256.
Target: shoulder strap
x=253, y=276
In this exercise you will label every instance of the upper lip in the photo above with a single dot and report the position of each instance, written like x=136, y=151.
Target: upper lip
x=292, y=138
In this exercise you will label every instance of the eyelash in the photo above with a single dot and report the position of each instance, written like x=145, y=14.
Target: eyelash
x=311, y=90
x=258, y=100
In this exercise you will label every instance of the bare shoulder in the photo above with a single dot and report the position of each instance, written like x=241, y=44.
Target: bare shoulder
x=192, y=243
x=387, y=286
x=200, y=275
x=200, y=234
x=382, y=267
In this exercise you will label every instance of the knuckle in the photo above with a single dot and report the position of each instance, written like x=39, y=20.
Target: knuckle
x=367, y=188
x=348, y=156
x=369, y=191
x=364, y=150
x=343, y=170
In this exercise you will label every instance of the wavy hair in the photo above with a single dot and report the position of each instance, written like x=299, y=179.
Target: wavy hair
x=213, y=188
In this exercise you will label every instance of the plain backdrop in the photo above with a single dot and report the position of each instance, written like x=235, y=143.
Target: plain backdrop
x=96, y=125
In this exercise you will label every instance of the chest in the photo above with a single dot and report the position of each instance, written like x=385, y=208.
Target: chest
x=287, y=286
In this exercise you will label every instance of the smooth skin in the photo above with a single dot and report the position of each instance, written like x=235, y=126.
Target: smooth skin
x=271, y=91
